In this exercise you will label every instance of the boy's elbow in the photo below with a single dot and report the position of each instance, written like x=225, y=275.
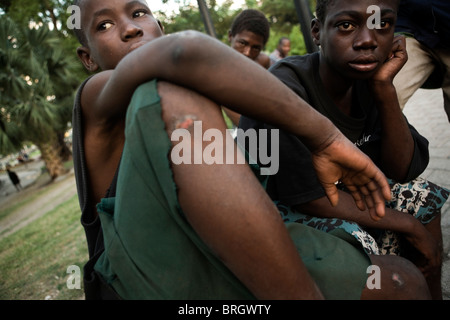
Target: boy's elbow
x=189, y=34
x=185, y=45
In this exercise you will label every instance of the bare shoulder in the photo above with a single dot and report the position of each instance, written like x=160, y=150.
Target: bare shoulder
x=91, y=92
x=263, y=59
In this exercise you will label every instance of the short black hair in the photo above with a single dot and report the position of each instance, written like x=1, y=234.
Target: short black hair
x=322, y=6
x=280, y=42
x=252, y=20
x=79, y=32
x=321, y=9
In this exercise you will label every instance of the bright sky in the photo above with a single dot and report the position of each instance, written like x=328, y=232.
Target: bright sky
x=172, y=5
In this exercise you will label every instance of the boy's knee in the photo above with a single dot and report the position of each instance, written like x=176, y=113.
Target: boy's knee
x=400, y=279
x=409, y=280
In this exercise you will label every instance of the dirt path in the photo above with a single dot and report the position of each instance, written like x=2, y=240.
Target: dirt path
x=53, y=195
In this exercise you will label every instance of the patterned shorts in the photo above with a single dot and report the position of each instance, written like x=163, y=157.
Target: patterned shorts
x=420, y=198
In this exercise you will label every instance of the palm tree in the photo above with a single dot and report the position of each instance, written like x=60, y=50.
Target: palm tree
x=36, y=89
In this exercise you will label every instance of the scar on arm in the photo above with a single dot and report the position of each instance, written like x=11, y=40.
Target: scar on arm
x=397, y=279
x=186, y=122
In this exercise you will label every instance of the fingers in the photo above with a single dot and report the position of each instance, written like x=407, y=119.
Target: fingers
x=366, y=183
x=383, y=186
x=399, y=44
x=401, y=39
x=377, y=202
x=358, y=197
x=369, y=196
x=399, y=49
x=366, y=196
x=370, y=193
x=332, y=193
x=374, y=194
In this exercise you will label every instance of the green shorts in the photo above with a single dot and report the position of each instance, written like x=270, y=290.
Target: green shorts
x=151, y=251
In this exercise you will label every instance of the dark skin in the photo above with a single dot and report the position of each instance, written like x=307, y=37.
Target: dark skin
x=121, y=35
x=250, y=45
x=284, y=47
x=263, y=59
x=247, y=42
x=351, y=51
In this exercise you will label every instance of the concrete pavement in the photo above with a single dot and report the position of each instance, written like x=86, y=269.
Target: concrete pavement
x=426, y=113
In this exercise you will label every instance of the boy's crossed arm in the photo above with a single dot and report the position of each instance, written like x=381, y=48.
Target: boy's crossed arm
x=205, y=65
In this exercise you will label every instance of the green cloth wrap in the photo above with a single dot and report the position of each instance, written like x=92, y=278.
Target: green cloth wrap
x=151, y=251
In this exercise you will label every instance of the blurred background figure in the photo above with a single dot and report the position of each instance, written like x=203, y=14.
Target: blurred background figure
x=248, y=35
x=281, y=51
x=426, y=25
x=14, y=179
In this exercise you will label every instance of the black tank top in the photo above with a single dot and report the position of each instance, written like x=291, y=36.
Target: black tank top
x=94, y=287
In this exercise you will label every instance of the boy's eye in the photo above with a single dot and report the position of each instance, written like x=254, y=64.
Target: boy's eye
x=385, y=24
x=139, y=14
x=241, y=43
x=104, y=26
x=345, y=26
x=256, y=49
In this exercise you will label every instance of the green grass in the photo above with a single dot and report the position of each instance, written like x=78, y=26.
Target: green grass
x=34, y=260
x=15, y=206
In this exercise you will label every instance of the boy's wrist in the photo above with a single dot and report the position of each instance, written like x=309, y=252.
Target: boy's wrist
x=329, y=134
x=415, y=230
x=377, y=84
x=382, y=89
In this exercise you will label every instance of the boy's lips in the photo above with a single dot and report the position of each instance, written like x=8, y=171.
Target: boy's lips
x=364, y=64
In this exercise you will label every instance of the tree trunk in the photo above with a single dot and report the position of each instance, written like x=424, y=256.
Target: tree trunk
x=51, y=12
x=50, y=152
x=65, y=151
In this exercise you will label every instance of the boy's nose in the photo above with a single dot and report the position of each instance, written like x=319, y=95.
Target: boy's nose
x=246, y=51
x=366, y=39
x=131, y=30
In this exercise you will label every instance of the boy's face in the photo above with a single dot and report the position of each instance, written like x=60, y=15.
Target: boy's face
x=248, y=43
x=349, y=47
x=285, y=47
x=114, y=28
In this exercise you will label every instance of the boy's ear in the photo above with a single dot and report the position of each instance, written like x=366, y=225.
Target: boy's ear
x=85, y=57
x=230, y=36
x=160, y=25
x=315, y=31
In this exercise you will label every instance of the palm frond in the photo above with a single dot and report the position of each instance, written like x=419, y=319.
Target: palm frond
x=36, y=77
